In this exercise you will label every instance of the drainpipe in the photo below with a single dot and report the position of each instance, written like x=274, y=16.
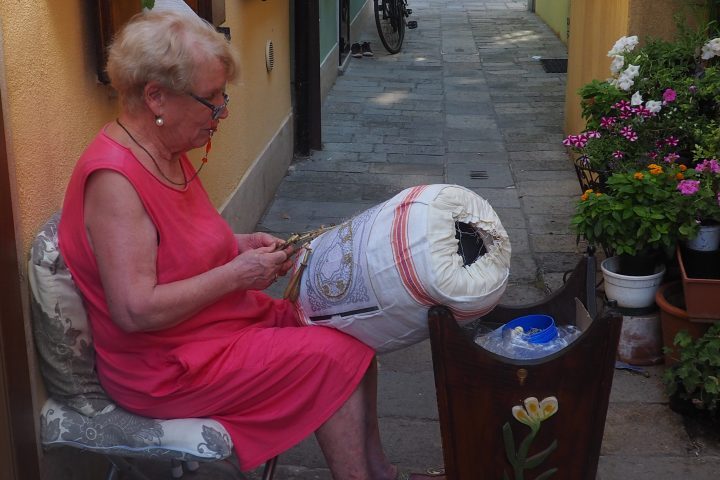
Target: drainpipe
x=531, y=5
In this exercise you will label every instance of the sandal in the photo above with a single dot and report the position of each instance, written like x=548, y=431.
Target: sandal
x=429, y=472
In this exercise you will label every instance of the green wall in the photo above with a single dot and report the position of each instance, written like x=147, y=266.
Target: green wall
x=555, y=13
x=329, y=23
x=328, y=26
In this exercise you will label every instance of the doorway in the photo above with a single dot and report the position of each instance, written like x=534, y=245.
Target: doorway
x=343, y=30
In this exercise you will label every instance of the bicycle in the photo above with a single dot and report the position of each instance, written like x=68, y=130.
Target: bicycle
x=390, y=20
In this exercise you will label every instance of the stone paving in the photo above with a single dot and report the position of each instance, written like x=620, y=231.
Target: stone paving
x=465, y=102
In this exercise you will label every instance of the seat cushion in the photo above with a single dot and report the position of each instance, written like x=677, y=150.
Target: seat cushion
x=118, y=432
x=60, y=327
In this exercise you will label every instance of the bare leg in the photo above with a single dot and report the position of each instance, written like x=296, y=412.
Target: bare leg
x=350, y=439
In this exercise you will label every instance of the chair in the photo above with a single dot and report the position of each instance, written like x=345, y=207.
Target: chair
x=79, y=413
x=488, y=421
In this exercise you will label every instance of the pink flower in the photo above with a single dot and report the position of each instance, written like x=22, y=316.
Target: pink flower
x=576, y=141
x=592, y=134
x=708, y=165
x=643, y=111
x=628, y=133
x=607, y=122
x=688, y=187
x=623, y=106
x=618, y=154
x=671, y=157
x=669, y=95
x=718, y=199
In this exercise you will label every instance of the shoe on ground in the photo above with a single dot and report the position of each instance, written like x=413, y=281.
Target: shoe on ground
x=356, y=50
x=366, y=50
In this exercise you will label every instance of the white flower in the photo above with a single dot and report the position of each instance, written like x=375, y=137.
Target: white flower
x=624, y=83
x=623, y=45
x=711, y=49
x=632, y=71
x=636, y=99
x=617, y=64
x=653, y=105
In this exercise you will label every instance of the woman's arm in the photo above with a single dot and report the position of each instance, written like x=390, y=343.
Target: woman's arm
x=124, y=241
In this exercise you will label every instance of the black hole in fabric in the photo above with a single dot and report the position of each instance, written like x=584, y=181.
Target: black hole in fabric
x=470, y=244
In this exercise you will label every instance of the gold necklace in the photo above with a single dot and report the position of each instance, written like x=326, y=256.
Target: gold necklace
x=183, y=184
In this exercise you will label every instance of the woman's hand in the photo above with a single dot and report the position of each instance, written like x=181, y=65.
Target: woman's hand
x=248, y=241
x=257, y=268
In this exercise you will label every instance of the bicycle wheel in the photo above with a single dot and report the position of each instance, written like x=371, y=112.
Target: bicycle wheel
x=390, y=21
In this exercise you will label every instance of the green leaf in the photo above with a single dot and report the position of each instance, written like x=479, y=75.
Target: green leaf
x=509, y=441
x=548, y=474
x=540, y=457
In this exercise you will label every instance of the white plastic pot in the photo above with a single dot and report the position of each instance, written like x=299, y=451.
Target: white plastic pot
x=707, y=239
x=630, y=291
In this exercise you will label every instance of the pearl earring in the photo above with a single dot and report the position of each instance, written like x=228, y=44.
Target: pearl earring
x=159, y=121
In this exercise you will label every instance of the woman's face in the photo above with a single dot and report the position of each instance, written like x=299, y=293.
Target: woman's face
x=189, y=117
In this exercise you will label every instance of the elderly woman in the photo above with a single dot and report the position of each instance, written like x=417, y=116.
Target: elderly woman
x=180, y=327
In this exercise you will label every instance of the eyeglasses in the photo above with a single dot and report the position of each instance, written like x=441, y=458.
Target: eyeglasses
x=217, y=110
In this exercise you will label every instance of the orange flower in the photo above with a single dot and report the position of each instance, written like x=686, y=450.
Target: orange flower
x=598, y=194
x=679, y=176
x=584, y=197
x=655, y=169
x=682, y=167
x=639, y=176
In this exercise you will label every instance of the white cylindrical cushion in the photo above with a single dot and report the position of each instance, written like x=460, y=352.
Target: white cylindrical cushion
x=376, y=275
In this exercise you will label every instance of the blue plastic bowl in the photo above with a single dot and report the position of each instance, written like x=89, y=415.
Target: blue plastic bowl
x=537, y=328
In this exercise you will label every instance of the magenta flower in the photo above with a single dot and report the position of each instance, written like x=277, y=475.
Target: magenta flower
x=643, y=111
x=671, y=157
x=669, y=95
x=623, y=106
x=708, y=165
x=629, y=134
x=693, y=89
x=718, y=199
x=671, y=141
x=688, y=187
x=652, y=155
x=618, y=154
x=607, y=122
x=576, y=141
x=592, y=134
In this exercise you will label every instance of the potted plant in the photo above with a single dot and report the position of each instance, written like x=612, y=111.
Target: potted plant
x=693, y=383
x=636, y=221
x=700, y=205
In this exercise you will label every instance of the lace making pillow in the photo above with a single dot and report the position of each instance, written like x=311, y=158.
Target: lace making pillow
x=60, y=326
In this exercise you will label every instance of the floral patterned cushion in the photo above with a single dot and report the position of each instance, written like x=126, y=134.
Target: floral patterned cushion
x=117, y=432
x=79, y=413
x=60, y=327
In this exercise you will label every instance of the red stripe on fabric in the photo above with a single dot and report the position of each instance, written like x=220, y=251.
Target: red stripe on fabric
x=401, y=249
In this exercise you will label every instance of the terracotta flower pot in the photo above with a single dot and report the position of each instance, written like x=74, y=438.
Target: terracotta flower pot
x=674, y=317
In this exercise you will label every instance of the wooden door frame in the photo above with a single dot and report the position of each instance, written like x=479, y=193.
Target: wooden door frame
x=15, y=371
x=307, y=108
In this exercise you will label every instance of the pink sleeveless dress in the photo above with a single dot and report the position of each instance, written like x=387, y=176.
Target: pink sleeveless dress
x=244, y=361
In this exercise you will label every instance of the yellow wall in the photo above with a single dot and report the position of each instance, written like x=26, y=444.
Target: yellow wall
x=260, y=100
x=594, y=28
x=555, y=13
